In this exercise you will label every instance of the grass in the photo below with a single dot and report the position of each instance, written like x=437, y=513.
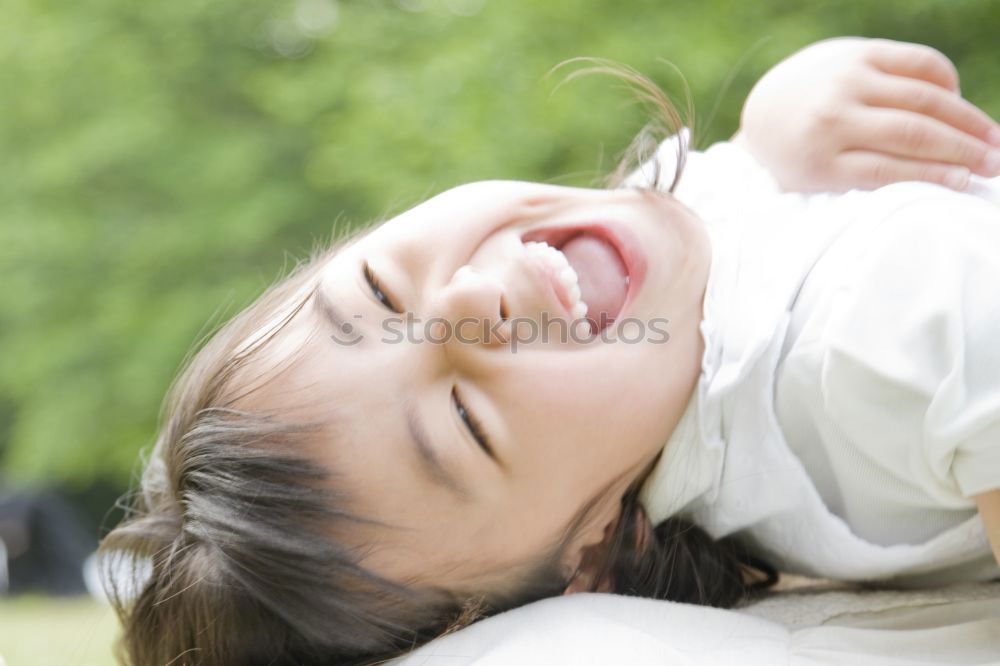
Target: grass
x=41, y=631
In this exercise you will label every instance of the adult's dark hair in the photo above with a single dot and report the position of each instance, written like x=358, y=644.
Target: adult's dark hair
x=236, y=550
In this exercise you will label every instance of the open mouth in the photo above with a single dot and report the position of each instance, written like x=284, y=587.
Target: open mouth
x=604, y=260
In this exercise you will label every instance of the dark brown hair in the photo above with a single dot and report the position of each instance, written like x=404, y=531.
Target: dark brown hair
x=678, y=561
x=233, y=552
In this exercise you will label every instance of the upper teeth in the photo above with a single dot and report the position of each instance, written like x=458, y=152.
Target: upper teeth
x=560, y=266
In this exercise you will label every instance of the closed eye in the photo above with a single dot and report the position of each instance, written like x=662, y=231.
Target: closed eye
x=378, y=291
x=472, y=423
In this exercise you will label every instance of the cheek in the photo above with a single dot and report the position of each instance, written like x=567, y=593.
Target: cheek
x=595, y=421
x=616, y=389
x=572, y=448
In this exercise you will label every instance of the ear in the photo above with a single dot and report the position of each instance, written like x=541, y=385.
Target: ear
x=589, y=576
x=588, y=555
x=590, y=563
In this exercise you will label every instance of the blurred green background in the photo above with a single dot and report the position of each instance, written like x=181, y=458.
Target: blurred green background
x=163, y=159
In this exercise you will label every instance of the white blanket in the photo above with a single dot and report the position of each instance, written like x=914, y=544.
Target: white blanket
x=803, y=627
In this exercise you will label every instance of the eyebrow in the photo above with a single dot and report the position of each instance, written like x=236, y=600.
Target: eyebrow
x=430, y=463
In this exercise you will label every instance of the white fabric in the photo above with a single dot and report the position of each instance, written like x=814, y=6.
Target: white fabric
x=889, y=390
x=907, y=629
x=730, y=468
x=819, y=603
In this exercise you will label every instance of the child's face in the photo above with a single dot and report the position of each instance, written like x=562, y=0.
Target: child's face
x=564, y=418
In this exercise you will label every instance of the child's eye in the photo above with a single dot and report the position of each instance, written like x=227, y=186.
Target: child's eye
x=472, y=423
x=380, y=295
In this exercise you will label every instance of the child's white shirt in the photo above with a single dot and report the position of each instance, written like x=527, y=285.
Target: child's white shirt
x=849, y=401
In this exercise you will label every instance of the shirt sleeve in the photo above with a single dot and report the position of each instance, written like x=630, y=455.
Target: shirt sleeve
x=913, y=345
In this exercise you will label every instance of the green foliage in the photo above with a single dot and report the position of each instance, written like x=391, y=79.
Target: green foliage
x=163, y=157
x=56, y=632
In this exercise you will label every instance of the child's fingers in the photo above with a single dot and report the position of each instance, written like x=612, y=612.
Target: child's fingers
x=914, y=136
x=916, y=61
x=930, y=100
x=870, y=170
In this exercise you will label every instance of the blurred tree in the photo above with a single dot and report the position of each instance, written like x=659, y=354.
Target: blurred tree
x=161, y=158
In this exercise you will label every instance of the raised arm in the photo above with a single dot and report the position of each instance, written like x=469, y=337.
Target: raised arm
x=860, y=113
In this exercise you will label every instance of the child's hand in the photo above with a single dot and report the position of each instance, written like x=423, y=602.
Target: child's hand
x=860, y=113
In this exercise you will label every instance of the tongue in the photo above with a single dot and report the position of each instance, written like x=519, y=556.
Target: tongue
x=601, y=275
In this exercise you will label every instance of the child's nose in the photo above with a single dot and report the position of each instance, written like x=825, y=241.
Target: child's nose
x=472, y=302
